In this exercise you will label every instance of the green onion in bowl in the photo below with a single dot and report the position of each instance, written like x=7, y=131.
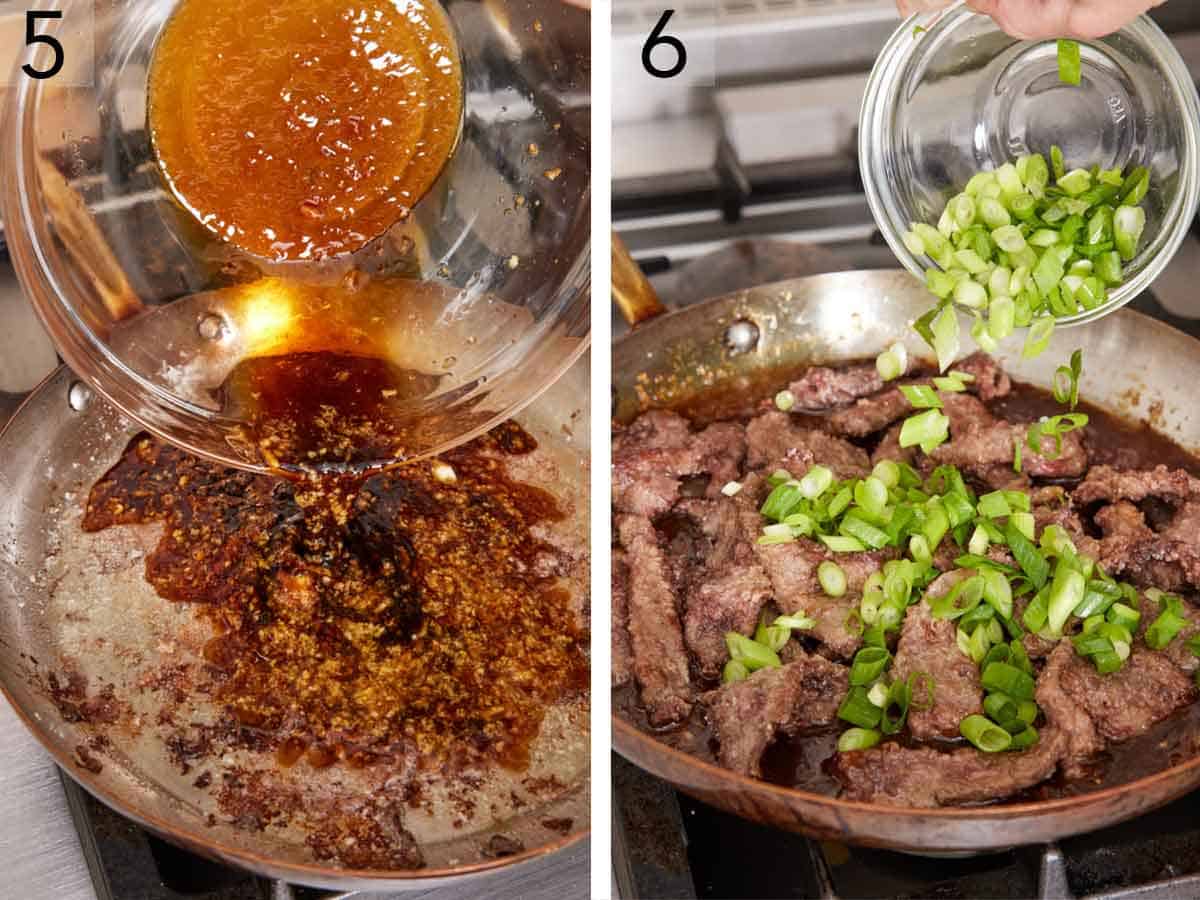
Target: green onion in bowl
x=1027, y=244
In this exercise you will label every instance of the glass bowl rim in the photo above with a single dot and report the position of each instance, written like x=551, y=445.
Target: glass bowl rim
x=881, y=97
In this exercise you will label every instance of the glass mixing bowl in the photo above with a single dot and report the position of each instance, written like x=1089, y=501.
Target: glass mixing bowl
x=963, y=97
x=481, y=295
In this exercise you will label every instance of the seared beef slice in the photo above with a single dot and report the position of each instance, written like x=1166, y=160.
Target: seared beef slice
x=659, y=659
x=747, y=716
x=923, y=777
x=930, y=645
x=652, y=454
x=730, y=591
x=622, y=656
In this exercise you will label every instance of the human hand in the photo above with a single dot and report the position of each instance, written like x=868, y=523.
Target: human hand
x=1031, y=19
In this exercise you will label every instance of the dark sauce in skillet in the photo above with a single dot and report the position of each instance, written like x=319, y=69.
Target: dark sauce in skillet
x=799, y=761
x=368, y=618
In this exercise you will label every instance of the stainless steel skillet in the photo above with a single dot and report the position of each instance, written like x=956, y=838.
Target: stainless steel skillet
x=741, y=346
x=70, y=601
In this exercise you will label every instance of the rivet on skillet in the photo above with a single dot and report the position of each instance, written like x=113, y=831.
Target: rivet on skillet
x=79, y=396
x=741, y=336
x=211, y=327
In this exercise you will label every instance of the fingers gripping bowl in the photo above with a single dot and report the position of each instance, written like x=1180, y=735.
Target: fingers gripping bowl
x=693, y=362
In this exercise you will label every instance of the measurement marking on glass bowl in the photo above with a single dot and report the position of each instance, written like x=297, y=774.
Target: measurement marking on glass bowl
x=1117, y=109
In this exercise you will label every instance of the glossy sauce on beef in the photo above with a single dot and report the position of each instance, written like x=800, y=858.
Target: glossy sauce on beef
x=801, y=761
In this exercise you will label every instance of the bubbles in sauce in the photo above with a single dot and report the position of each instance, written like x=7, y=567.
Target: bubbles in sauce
x=303, y=130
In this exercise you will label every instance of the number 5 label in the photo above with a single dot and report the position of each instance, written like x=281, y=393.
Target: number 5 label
x=32, y=37
x=54, y=47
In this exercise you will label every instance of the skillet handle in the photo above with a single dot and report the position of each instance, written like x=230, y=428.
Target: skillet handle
x=631, y=289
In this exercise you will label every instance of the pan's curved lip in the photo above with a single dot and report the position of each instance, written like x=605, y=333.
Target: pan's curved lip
x=623, y=726
x=257, y=862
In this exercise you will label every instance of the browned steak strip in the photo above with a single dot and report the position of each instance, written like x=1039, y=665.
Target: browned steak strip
x=889, y=448
x=822, y=388
x=792, y=569
x=1147, y=689
x=990, y=380
x=1107, y=483
x=747, y=716
x=965, y=412
x=1082, y=740
x=774, y=436
x=930, y=645
x=622, y=656
x=981, y=450
x=923, y=777
x=732, y=590
x=1185, y=524
x=659, y=659
x=658, y=448
x=1132, y=550
x=722, y=448
x=870, y=414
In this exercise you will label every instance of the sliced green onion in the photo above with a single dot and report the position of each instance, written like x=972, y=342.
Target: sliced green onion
x=1008, y=679
x=783, y=500
x=832, y=578
x=985, y=735
x=895, y=708
x=859, y=738
x=1024, y=740
x=772, y=636
x=1039, y=337
x=869, y=663
x=839, y=502
x=979, y=542
x=892, y=363
x=801, y=524
x=997, y=591
x=1165, y=629
x=1136, y=186
x=959, y=600
x=1129, y=222
x=1066, y=593
x=1124, y=615
x=1076, y=182
x=816, y=482
x=944, y=330
x=864, y=532
x=1031, y=562
x=732, y=489
x=857, y=709
x=928, y=429
x=1066, y=381
x=841, y=544
x=1070, y=66
x=949, y=383
x=735, y=670
x=921, y=396
x=887, y=472
x=785, y=400
x=751, y=654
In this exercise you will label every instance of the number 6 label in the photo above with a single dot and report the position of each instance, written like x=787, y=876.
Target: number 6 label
x=658, y=39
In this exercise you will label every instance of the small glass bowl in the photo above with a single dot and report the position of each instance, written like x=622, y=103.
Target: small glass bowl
x=484, y=290
x=962, y=96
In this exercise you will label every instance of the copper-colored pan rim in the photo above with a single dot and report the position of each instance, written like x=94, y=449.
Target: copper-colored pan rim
x=255, y=861
x=626, y=729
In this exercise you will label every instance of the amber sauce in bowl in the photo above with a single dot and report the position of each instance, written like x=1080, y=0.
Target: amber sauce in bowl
x=303, y=130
